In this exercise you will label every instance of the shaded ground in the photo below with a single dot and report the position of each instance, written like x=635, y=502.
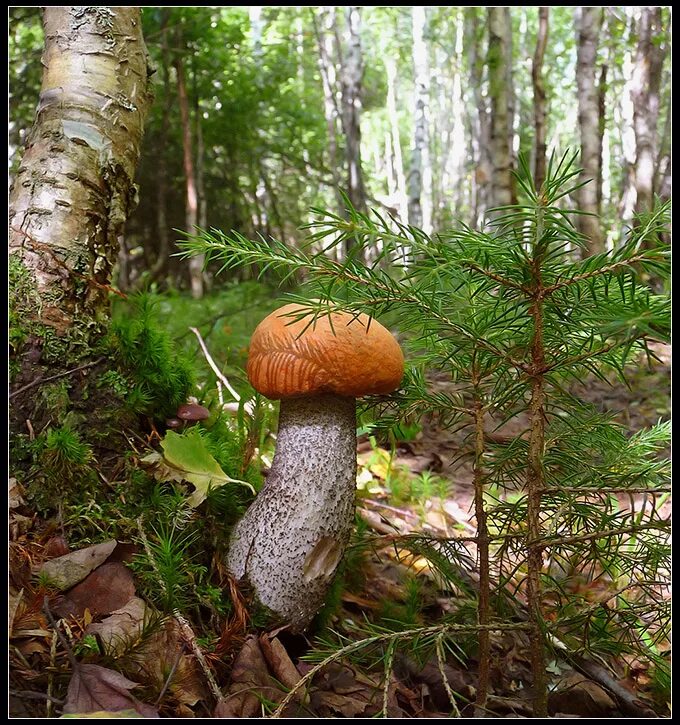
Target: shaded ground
x=67, y=651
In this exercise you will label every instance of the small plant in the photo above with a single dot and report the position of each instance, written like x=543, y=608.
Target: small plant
x=159, y=378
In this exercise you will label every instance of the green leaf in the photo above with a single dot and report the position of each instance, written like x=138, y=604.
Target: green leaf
x=188, y=458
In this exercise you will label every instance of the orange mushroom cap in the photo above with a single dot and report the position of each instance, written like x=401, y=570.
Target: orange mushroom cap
x=337, y=353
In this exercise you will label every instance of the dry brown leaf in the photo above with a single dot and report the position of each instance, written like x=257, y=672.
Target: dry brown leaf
x=15, y=494
x=158, y=655
x=66, y=571
x=122, y=626
x=93, y=688
x=280, y=664
x=106, y=589
x=330, y=704
x=249, y=678
x=580, y=696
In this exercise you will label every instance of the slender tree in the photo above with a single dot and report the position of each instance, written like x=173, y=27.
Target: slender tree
x=499, y=57
x=75, y=185
x=480, y=118
x=540, y=105
x=588, y=22
x=420, y=173
x=352, y=70
x=646, y=83
x=191, y=198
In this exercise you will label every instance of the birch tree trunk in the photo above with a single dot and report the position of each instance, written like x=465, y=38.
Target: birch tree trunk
x=540, y=106
x=325, y=36
x=400, y=176
x=74, y=188
x=588, y=21
x=352, y=69
x=420, y=173
x=480, y=119
x=195, y=263
x=646, y=83
x=499, y=57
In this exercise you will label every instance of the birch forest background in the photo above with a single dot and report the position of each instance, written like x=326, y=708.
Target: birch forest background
x=493, y=186
x=262, y=113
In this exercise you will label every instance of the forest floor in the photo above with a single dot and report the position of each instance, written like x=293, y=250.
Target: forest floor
x=65, y=647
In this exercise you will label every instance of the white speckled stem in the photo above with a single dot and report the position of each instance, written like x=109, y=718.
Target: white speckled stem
x=291, y=540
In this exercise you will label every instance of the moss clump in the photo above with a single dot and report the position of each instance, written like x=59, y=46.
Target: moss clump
x=159, y=380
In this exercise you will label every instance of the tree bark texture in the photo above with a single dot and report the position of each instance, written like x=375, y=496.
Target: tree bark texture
x=588, y=21
x=352, y=70
x=195, y=263
x=499, y=57
x=400, y=176
x=645, y=88
x=75, y=185
x=540, y=104
x=324, y=24
x=480, y=119
x=420, y=173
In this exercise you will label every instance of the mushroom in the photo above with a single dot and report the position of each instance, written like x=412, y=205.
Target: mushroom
x=192, y=412
x=292, y=538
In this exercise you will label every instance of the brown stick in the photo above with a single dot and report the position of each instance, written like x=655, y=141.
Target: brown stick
x=483, y=551
x=535, y=483
x=38, y=381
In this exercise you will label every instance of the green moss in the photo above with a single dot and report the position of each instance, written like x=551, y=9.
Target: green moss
x=158, y=379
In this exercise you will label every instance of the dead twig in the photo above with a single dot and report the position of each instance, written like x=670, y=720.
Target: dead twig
x=39, y=381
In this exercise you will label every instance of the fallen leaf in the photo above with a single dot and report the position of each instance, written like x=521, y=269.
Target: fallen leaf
x=123, y=626
x=326, y=703
x=66, y=571
x=106, y=714
x=159, y=653
x=580, y=696
x=187, y=458
x=279, y=662
x=107, y=588
x=249, y=678
x=93, y=688
x=15, y=494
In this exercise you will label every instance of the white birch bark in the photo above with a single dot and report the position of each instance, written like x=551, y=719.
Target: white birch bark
x=588, y=22
x=74, y=188
x=420, y=173
x=499, y=56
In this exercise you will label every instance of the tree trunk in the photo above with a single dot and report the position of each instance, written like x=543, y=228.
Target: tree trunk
x=420, y=174
x=195, y=263
x=540, y=107
x=480, y=120
x=499, y=57
x=588, y=21
x=400, y=177
x=646, y=83
x=352, y=71
x=161, y=263
x=327, y=68
x=74, y=188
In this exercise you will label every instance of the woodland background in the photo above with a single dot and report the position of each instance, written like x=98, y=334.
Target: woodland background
x=262, y=113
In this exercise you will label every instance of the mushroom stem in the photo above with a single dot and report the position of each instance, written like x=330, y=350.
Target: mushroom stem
x=291, y=540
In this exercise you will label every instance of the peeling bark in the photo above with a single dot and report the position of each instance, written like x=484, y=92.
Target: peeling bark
x=75, y=185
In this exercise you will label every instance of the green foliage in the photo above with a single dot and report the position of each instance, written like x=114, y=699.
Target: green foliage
x=159, y=378
x=468, y=302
